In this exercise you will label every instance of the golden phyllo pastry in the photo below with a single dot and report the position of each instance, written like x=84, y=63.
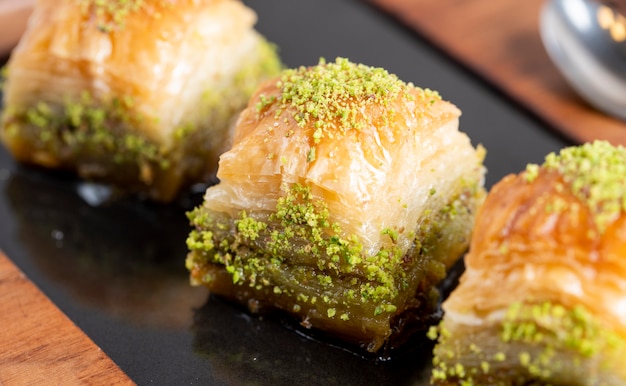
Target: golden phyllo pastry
x=345, y=198
x=139, y=93
x=543, y=297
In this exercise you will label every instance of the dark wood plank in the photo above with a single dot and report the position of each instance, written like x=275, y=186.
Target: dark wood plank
x=500, y=41
x=13, y=18
x=40, y=345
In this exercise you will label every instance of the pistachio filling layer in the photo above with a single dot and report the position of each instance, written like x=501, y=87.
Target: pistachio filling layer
x=84, y=127
x=549, y=340
x=298, y=254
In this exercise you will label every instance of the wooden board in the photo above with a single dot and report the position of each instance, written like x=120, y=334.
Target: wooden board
x=13, y=18
x=500, y=41
x=40, y=345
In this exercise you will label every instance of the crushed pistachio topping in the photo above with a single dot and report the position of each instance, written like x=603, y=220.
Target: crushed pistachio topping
x=532, y=171
x=595, y=172
x=330, y=96
x=552, y=327
x=110, y=14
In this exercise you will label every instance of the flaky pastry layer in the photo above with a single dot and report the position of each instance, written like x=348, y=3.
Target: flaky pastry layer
x=139, y=93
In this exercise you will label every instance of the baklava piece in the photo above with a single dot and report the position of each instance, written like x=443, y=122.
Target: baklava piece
x=543, y=297
x=344, y=200
x=139, y=94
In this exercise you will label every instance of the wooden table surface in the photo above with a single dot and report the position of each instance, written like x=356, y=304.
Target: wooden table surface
x=13, y=17
x=500, y=41
x=40, y=345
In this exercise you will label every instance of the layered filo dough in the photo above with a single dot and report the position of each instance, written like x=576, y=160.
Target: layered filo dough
x=140, y=94
x=543, y=297
x=345, y=198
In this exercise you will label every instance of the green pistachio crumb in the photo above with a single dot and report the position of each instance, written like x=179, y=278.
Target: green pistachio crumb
x=499, y=357
x=248, y=227
x=439, y=375
x=524, y=358
x=200, y=240
x=325, y=280
x=433, y=333
x=311, y=155
x=392, y=233
x=532, y=171
x=264, y=102
x=459, y=370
